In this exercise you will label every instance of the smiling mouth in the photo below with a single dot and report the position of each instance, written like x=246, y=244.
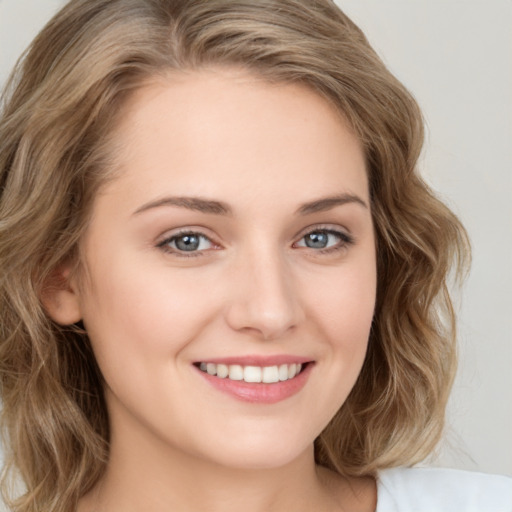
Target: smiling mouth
x=253, y=374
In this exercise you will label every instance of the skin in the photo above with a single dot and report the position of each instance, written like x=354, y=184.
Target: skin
x=252, y=287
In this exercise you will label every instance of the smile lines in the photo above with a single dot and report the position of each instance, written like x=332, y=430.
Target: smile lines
x=253, y=374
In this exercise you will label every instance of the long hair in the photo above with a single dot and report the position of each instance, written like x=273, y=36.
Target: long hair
x=58, y=114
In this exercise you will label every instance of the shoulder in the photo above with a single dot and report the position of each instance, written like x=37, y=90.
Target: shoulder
x=440, y=490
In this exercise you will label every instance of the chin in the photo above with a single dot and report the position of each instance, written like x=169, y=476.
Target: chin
x=260, y=454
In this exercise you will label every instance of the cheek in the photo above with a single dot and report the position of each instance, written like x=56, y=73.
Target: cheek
x=344, y=312
x=141, y=314
x=346, y=304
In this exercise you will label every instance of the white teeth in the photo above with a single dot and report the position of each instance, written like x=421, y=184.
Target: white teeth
x=253, y=374
x=236, y=372
x=270, y=374
x=283, y=372
x=222, y=371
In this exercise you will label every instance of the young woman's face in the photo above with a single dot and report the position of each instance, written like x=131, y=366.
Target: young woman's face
x=237, y=239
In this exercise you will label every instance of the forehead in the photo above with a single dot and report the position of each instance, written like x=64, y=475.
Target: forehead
x=218, y=130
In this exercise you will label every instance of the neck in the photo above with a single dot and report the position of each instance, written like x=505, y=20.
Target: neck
x=164, y=481
x=147, y=473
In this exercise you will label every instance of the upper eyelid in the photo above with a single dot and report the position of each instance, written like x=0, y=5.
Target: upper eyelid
x=171, y=234
x=163, y=245
x=345, y=238
x=330, y=228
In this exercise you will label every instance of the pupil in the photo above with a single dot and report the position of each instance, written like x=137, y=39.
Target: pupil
x=317, y=240
x=187, y=242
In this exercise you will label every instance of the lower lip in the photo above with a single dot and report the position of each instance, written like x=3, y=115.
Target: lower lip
x=260, y=392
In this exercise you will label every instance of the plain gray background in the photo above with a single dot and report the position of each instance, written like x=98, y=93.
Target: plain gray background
x=456, y=58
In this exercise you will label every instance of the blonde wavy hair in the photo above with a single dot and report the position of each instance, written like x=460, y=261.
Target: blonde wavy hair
x=58, y=113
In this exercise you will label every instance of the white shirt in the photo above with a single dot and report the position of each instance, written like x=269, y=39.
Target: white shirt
x=442, y=490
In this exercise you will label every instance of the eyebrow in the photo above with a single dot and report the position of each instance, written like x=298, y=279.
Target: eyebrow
x=328, y=203
x=191, y=203
x=210, y=206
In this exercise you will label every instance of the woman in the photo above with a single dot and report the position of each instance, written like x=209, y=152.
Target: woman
x=224, y=282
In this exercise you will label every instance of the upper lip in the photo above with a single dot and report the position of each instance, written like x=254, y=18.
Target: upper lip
x=258, y=360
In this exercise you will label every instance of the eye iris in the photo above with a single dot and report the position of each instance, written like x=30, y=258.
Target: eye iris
x=317, y=240
x=187, y=242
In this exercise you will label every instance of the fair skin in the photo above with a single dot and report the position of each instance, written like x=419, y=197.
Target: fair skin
x=238, y=230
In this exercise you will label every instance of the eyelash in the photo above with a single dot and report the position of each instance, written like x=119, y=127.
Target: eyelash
x=345, y=240
x=164, y=244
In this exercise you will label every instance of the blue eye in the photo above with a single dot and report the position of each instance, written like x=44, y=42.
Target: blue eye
x=186, y=242
x=324, y=239
x=318, y=240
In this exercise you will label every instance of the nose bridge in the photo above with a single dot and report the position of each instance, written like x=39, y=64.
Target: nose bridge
x=264, y=298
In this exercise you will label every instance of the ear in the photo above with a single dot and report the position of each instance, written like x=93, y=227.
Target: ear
x=60, y=297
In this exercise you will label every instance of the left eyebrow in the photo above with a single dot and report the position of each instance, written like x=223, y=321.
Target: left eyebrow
x=327, y=203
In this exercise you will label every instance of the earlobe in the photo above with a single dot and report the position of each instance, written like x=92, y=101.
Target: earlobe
x=60, y=297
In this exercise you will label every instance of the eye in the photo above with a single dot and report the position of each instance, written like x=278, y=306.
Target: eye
x=186, y=242
x=324, y=239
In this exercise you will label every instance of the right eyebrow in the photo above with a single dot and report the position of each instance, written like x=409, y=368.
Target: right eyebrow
x=191, y=203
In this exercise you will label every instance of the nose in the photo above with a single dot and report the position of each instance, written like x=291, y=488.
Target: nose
x=264, y=300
